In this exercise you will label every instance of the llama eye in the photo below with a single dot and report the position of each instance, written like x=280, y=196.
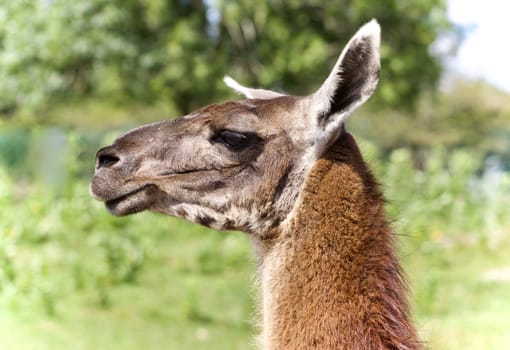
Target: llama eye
x=232, y=139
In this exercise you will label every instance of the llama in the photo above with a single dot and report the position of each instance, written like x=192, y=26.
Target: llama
x=284, y=170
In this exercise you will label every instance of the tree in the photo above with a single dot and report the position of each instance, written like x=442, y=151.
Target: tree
x=176, y=51
x=294, y=43
x=469, y=114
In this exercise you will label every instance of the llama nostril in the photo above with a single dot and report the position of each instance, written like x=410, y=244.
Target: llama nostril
x=106, y=158
x=106, y=161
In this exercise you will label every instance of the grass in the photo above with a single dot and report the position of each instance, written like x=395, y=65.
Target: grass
x=195, y=292
x=457, y=303
x=74, y=277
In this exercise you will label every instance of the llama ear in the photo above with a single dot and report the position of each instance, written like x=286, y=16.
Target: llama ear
x=250, y=92
x=352, y=80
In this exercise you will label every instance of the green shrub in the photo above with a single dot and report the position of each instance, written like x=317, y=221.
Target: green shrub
x=55, y=242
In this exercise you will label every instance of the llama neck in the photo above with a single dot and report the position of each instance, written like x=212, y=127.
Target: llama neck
x=331, y=280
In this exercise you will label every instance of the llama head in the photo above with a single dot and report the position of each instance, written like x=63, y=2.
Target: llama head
x=241, y=164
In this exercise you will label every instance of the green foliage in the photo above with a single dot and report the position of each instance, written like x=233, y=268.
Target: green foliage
x=174, y=53
x=163, y=283
x=445, y=202
x=267, y=45
x=108, y=49
x=470, y=114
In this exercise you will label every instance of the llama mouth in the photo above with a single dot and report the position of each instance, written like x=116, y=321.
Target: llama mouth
x=133, y=201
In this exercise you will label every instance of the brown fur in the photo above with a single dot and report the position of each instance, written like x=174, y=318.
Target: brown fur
x=335, y=280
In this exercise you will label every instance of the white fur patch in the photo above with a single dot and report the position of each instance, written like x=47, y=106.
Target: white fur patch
x=241, y=218
x=250, y=92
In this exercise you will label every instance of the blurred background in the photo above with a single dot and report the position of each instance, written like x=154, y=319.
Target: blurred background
x=75, y=74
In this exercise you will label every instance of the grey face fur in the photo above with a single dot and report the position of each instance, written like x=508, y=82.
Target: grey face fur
x=223, y=166
x=236, y=165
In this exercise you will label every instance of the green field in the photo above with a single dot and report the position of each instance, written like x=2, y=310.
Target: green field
x=195, y=292
x=74, y=277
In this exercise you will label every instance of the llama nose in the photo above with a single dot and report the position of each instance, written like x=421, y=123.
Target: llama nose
x=106, y=157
